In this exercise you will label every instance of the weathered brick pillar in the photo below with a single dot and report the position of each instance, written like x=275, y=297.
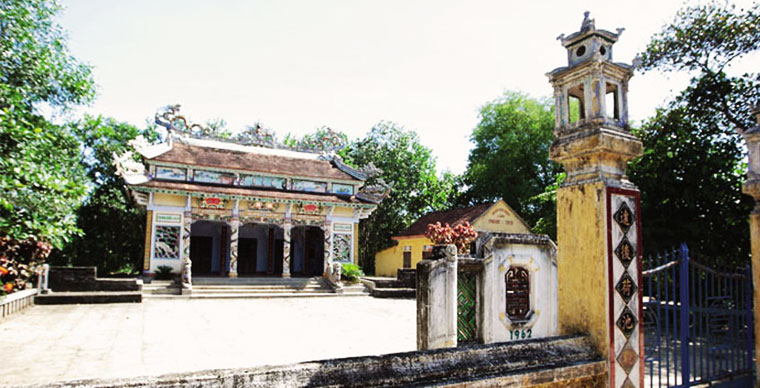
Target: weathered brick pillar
x=598, y=216
x=752, y=187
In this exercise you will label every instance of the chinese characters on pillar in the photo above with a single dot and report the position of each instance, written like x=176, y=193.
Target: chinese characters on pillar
x=625, y=301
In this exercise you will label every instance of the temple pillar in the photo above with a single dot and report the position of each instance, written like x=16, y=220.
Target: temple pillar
x=187, y=264
x=148, y=239
x=286, y=248
x=327, y=230
x=752, y=188
x=234, y=237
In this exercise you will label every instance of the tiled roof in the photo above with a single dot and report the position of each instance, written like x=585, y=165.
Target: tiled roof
x=187, y=154
x=452, y=217
x=244, y=191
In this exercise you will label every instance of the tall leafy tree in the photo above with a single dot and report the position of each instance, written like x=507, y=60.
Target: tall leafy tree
x=41, y=182
x=409, y=168
x=109, y=210
x=691, y=173
x=510, y=159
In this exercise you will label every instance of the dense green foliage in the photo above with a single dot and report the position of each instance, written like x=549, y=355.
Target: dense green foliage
x=41, y=181
x=109, y=210
x=409, y=168
x=510, y=159
x=691, y=173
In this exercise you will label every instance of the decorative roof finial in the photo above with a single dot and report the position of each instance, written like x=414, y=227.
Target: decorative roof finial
x=588, y=24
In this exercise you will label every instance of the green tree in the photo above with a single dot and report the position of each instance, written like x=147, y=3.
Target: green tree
x=409, y=168
x=691, y=172
x=510, y=159
x=109, y=210
x=41, y=182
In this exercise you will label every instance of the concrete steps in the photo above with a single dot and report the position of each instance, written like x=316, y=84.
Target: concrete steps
x=389, y=288
x=161, y=287
x=358, y=289
x=210, y=288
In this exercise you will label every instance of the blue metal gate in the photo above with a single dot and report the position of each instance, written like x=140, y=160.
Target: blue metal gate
x=697, y=323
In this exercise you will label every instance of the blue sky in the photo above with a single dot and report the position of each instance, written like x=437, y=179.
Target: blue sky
x=299, y=65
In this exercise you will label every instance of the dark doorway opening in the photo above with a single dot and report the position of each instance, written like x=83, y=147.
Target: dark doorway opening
x=260, y=250
x=307, y=250
x=247, y=248
x=200, y=254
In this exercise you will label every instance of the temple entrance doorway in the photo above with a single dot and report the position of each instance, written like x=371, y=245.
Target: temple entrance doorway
x=260, y=250
x=307, y=250
x=209, y=247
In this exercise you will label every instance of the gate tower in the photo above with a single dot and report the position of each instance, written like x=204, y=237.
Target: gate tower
x=598, y=217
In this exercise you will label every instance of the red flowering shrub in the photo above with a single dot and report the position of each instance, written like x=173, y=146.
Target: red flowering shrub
x=460, y=235
x=19, y=262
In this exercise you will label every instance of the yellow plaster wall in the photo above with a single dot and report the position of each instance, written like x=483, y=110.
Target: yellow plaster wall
x=754, y=225
x=391, y=259
x=343, y=212
x=356, y=243
x=168, y=199
x=582, y=264
x=500, y=218
x=148, y=238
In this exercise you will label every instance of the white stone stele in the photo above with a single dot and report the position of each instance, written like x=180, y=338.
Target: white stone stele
x=540, y=260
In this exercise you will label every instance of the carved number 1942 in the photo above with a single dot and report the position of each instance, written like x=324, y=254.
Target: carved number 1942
x=520, y=334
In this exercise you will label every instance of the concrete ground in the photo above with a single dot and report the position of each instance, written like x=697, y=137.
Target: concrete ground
x=55, y=343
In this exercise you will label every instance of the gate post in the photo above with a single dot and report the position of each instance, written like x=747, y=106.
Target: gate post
x=752, y=187
x=683, y=278
x=598, y=216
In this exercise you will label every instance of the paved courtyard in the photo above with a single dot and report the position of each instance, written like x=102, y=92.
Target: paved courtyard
x=54, y=343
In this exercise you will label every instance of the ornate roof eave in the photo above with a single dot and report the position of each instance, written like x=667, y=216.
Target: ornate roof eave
x=143, y=189
x=617, y=66
x=337, y=161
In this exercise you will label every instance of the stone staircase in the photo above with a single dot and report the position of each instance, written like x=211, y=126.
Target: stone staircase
x=260, y=287
x=161, y=288
x=357, y=289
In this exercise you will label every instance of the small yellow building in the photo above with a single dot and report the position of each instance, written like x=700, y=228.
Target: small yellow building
x=412, y=245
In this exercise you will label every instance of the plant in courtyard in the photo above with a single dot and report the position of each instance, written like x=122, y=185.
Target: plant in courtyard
x=461, y=235
x=164, y=272
x=351, y=273
x=19, y=262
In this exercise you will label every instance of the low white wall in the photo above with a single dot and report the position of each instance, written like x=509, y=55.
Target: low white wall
x=17, y=301
x=537, y=255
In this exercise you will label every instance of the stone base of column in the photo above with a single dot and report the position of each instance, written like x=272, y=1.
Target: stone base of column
x=232, y=274
x=286, y=275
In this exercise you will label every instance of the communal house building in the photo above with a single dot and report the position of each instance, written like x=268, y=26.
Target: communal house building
x=248, y=207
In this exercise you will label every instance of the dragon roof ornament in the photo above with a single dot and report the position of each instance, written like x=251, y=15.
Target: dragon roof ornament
x=325, y=141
